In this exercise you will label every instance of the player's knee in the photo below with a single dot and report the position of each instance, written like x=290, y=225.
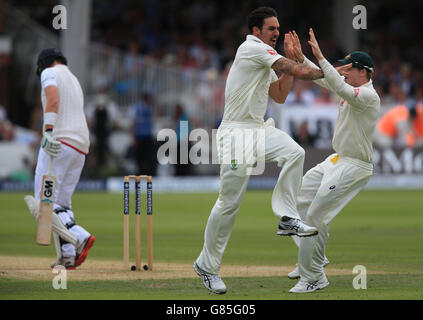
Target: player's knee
x=231, y=207
x=294, y=154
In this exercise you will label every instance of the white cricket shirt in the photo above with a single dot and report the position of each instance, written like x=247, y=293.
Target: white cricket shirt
x=71, y=125
x=247, y=85
x=358, y=114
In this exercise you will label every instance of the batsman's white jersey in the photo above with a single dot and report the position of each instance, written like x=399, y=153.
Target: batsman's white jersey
x=71, y=125
x=328, y=187
x=72, y=131
x=246, y=99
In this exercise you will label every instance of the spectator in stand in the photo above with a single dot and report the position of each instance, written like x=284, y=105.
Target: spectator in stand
x=396, y=94
x=133, y=61
x=418, y=94
x=6, y=127
x=205, y=56
x=401, y=126
x=325, y=98
x=3, y=113
x=404, y=79
x=36, y=119
x=300, y=95
x=144, y=147
x=183, y=127
x=303, y=136
x=210, y=94
x=102, y=115
x=184, y=59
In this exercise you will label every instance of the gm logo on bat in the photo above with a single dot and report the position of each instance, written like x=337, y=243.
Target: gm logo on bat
x=48, y=190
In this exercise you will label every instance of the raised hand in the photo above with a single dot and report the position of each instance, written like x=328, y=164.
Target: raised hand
x=288, y=47
x=297, y=47
x=315, y=46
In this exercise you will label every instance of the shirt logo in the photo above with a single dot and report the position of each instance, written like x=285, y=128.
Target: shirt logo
x=356, y=90
x=272, y=52
x=334, y=159
x=233, y=165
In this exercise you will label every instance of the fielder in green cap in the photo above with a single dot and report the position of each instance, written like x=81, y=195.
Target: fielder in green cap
x=359, y=60
x=328, y=187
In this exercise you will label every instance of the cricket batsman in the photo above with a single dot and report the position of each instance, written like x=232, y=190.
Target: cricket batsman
x=328, y=187
x=66, y=139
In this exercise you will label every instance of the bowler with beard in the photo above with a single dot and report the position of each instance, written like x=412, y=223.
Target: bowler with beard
x=251, y=81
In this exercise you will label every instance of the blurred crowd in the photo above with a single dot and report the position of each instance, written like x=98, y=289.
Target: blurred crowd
x=201, y=37
x=205, y=34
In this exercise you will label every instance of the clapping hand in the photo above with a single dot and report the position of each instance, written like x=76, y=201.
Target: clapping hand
x=297, y=47
x=315, y=46
x=288, y=46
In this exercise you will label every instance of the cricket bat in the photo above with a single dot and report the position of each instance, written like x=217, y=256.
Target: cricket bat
x=46, y=207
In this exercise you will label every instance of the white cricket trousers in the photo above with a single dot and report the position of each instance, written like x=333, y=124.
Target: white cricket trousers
x=273, y=145
x=326, y=190
x=67, y=168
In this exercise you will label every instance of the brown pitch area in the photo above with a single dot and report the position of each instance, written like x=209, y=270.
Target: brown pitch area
x=36, y=268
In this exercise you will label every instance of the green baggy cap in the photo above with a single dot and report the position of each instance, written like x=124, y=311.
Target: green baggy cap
x=359, y=59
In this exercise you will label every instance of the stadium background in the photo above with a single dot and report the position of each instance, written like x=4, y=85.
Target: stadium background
x=177, y=52
x=145, y=65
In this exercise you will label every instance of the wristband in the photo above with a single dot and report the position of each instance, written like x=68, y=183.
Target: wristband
x=50, y=118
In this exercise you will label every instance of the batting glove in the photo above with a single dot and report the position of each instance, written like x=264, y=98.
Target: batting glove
x=50, y=145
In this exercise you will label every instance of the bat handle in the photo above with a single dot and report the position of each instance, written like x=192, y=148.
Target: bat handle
x=50, y=166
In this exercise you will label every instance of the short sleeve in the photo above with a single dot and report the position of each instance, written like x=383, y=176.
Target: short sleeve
x=264, y=54
x=48, y=78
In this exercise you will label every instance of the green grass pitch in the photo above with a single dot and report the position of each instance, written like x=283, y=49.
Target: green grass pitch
x=381, y=230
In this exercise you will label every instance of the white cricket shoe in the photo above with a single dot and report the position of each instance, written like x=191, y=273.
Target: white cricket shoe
x=67, y=262
x=211, y=281
x=295, y=274
x=295, y=227
x=306, y=287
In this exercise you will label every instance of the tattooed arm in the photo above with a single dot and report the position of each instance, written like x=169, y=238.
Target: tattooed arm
x=297, y=70
x=279, y=89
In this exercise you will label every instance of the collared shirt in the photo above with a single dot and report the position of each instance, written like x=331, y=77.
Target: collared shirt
x=359, y=109
x=247, y=85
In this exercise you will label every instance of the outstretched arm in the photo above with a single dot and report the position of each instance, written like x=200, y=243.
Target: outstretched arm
x=360, y=97
x=297, y=70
